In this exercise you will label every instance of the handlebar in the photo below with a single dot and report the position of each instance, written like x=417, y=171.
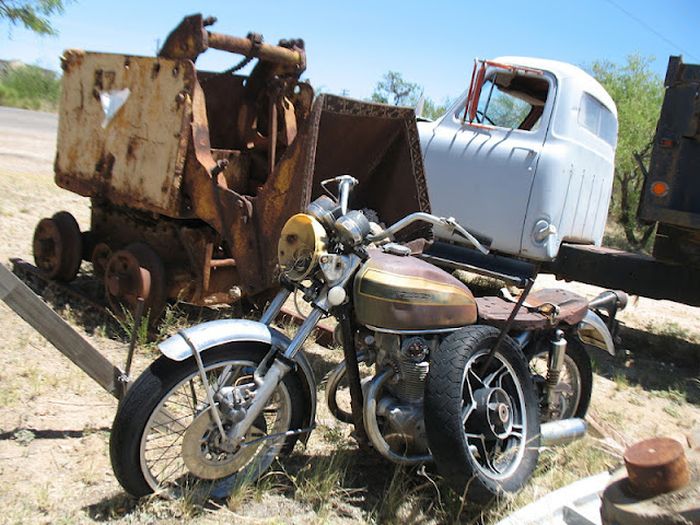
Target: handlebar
x=443, y=224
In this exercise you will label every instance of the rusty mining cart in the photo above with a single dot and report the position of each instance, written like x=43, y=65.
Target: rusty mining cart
x=192, y=174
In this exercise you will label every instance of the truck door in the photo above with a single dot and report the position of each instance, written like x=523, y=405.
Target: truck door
x=482, y=156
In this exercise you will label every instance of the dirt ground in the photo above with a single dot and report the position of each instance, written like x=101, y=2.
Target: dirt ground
x=54, y=421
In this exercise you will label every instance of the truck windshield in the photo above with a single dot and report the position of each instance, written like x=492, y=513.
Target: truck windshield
x=512, y=101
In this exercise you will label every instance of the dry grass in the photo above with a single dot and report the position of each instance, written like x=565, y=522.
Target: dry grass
x=54, y=421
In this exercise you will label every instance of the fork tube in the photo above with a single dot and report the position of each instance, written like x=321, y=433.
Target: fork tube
x=271, y=311
x=304, y=332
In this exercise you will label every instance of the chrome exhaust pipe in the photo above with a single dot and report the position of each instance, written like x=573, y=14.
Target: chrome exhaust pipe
x=608, y=300
x=562, y=431
x=372, y=426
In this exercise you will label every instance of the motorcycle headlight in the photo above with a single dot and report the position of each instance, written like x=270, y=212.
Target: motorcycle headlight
x=301, y=243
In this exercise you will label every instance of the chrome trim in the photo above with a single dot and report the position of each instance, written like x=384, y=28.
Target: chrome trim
x=562, y=431
x=413, y=332
x=275, y=306
x=214, y=333
x=593, y=331
x=372, y=426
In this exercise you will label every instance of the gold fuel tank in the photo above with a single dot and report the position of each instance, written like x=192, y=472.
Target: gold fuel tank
x=405, y=293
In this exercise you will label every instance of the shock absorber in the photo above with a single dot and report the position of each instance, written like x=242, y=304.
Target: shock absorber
x=556, y=362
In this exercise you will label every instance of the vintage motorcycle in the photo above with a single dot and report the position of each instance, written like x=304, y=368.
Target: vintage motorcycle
x=229, y=396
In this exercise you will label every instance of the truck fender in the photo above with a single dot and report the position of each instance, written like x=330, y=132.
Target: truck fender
x=593, y=331
x=213, y=334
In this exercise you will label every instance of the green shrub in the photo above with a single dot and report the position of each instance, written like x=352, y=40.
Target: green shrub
x=29, y=87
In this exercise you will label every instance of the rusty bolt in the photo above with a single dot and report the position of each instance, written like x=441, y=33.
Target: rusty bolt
x=656, y=466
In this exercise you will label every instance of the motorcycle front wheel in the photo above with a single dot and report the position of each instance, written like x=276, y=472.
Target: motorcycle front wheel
x=481, y=418
x=164, y=439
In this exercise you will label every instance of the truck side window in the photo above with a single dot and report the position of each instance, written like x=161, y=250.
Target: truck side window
x=513, y=101
x=597, y=119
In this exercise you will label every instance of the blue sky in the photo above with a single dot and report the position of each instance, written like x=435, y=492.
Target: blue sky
x=350, y=45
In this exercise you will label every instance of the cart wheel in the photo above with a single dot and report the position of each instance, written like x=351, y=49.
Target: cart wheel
x=136, y=271
x=100, y=256
x=58, y=246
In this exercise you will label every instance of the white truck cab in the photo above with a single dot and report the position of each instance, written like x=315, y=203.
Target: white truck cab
x=525, y=157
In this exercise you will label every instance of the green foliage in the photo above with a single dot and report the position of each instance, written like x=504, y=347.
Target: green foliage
x=29, y=87
x=393, y=89
x=638, y=94
x=32, y=14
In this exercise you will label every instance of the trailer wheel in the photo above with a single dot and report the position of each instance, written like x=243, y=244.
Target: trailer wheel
x=57, y=246
x=132, y=273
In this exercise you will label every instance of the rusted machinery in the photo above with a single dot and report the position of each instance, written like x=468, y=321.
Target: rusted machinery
x=192, y=174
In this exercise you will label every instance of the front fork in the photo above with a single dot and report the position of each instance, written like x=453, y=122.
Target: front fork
x=266, y=377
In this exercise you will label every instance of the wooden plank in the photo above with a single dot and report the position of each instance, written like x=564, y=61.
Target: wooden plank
x=58, y=332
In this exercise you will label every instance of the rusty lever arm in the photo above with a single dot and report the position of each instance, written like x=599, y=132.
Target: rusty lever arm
x=245, y=46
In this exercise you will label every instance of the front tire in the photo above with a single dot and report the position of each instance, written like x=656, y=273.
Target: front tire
x=162, y=440
x=482, y=425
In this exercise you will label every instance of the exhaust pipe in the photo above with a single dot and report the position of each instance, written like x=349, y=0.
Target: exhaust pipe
x=562, y=431
x=609, y=300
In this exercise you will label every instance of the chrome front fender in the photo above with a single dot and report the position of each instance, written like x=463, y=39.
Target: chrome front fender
x=213, y=334
x=593, y=331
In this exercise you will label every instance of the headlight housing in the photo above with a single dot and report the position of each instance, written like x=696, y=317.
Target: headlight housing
x=301, y=243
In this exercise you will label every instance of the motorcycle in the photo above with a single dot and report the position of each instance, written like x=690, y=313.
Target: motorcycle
x=227, y=397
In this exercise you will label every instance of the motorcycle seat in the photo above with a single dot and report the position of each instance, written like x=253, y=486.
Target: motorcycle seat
x=542, y=309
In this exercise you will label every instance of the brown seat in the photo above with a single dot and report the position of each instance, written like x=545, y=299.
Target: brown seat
x=572, y=309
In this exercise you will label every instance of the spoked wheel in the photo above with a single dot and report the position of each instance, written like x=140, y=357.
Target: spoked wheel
x=481, y=419
x=132, y=273
x=165, y=440
x=575, y=381
x=57, y=246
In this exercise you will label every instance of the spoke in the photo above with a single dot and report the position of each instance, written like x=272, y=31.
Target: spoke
x=516, y=431
x=172, y=421
x=166, y=450
x=489, y=378
x=467, y=411
x=471, y=371
x=164, y=469
x=484, y=453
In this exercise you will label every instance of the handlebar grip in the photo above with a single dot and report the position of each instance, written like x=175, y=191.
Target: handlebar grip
x=245, y=46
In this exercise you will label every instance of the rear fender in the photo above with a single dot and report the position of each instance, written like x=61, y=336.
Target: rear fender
x=594, y=332
x=213, y=334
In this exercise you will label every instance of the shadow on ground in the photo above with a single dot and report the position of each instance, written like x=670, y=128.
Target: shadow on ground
x=655, y=362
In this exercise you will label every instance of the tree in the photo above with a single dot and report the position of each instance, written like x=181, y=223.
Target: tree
x=393, y=89
x=638, y=94
x=32, y=14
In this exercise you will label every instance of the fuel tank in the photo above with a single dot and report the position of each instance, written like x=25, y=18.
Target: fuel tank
x=405, y=293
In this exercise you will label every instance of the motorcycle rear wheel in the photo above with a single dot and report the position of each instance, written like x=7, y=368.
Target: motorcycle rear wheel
x=164, y=441
x=482, y=425
x=575, y=382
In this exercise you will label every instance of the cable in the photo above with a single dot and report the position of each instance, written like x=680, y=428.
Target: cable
x=651, y=28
